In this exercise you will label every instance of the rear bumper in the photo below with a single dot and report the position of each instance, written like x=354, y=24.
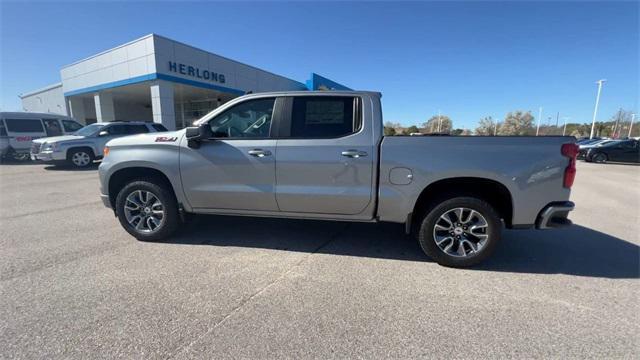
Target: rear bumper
x=555, y=215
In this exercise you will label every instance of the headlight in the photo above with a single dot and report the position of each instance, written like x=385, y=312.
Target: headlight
x=50, y=147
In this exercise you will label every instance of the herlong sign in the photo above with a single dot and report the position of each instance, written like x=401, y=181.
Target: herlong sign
x=196, y=72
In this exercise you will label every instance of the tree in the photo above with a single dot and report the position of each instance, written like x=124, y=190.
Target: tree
x=389, y=131
x=517, y=123
x=461, y=132
x=443, y=122
x=392, y=124
x=412, y=129
x=486, y=126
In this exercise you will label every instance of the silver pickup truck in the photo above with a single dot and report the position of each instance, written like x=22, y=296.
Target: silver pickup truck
x=322, y=155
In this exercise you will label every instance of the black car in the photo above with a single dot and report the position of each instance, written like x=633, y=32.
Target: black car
x=624, y=151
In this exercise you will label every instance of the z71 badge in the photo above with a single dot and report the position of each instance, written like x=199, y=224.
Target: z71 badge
x=166, y=138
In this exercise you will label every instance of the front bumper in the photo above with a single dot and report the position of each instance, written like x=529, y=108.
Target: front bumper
x=48, y=156
x=554, y=215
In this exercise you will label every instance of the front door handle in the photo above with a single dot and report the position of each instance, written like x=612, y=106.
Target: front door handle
x=259, y=153
x=354, y=153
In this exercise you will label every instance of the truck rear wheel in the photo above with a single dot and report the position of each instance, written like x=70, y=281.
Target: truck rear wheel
x=147, y=210
x=460, y=232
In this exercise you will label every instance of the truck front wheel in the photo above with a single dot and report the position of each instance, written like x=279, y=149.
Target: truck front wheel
x=460, y=232
x=147, y=210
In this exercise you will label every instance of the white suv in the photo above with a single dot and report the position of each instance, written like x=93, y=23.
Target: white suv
x=85, y=145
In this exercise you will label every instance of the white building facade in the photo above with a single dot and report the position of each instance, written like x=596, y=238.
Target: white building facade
x=156, y=79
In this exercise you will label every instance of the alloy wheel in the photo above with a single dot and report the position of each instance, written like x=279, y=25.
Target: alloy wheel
x=80, y=159
x=461, y=232
x=144, y=211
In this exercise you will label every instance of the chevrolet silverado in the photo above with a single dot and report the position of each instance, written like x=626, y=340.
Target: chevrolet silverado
x=322, y=155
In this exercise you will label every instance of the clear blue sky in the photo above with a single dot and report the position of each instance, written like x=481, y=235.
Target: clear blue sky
x=468, y=59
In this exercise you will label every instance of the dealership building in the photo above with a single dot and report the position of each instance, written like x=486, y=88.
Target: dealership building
x=156, y=79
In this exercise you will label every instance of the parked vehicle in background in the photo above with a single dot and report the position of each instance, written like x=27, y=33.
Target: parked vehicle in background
x=587, y=141
x=622, y=151
x=84, y=146
x=323, y=155
x=584, y=148
x=19, y=129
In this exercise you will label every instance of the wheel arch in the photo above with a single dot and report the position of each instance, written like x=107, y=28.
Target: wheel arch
x=491, y=191
x=123, y=176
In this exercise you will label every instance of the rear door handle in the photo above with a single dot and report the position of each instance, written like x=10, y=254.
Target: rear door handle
x=259, y=153
x=354, y=153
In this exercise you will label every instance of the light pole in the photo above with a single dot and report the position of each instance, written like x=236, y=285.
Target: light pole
x=539, y=117
x=633, y=116
x=595, y=109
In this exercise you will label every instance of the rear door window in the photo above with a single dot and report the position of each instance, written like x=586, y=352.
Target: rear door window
x=24, y=125
x=52, y=127
x=117, y=130
x=323, y=117
x=137, y=129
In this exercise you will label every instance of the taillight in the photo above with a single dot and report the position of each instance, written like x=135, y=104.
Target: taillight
x=570, y=151
x=105, y=151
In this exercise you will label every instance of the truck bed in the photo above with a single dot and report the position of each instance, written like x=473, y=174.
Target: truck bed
x=531, y=169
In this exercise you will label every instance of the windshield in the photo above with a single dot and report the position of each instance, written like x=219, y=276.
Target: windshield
x=89, y=130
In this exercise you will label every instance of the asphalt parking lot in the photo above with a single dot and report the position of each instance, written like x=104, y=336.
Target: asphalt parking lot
x=73, y=284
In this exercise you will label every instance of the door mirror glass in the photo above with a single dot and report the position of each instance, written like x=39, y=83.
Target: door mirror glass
x=103, y=133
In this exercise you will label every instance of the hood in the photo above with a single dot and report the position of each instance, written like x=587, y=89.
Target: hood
x=157, y=138
x=53, y=139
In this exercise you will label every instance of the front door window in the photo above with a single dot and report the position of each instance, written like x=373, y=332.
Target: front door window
x=52, y=127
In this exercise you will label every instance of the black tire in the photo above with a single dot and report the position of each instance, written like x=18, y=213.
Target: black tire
x=86, y=155
x=165, y=195
x=599, y=158
x=432, y=215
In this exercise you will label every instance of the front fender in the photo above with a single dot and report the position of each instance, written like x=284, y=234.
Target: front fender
x=163, y=159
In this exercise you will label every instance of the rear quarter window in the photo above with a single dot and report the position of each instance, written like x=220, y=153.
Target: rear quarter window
x=24, y=125
x=3, y=130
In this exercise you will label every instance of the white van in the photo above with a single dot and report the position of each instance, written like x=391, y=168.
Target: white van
x=18, y=129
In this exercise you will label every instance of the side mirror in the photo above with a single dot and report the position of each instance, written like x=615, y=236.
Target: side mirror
x=197, y=134
x=103, y=133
